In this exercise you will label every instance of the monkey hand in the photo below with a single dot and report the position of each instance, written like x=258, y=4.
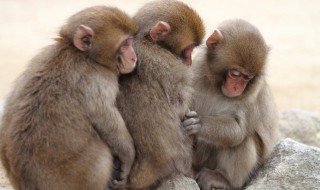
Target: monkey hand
x=122, y=167
x=191, y=123
x=120, y=181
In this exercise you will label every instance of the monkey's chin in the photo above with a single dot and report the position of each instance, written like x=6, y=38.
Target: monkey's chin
x=126, y=70
x=229, y=94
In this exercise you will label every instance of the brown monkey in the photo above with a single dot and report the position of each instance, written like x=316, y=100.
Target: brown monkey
x=235, y=107
x=159, y=91
x=60, y=126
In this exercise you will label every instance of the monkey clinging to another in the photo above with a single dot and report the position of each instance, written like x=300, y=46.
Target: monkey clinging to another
x=156, y=96
x=235, y=106
x=60, y=127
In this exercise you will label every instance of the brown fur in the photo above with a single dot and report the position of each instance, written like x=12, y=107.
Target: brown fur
x=237, y=134
x=154, y=99
x=60, y=125
x=183, y=20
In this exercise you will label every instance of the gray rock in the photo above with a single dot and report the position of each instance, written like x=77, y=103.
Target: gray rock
x=179, y=183
x=292, y=165
x=300, y=125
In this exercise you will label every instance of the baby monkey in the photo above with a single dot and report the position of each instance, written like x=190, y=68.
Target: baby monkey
x=60, y=128
x=235, y=106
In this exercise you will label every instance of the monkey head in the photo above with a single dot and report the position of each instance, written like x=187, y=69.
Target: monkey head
x=89, y=36
x=237, y=56
x=173, y=25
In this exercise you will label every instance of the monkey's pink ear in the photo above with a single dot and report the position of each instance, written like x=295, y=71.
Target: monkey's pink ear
x=159, y=31
x=215, y=38
x=83, y=38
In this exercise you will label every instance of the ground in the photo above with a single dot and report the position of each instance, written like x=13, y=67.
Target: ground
x=290, y=27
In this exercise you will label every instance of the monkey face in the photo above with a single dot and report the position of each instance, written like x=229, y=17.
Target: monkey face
x=236, y=81
x=185, y=55
x=126, y=57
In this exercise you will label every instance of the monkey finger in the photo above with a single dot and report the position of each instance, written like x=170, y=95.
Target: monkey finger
x=191, y=121
x=193, y=129
x=118, y=183
x=191, y=114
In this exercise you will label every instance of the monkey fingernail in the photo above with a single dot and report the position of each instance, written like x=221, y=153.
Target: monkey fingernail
x=191, y=114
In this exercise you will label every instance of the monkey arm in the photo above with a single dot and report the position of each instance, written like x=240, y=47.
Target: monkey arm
x=114, y=133
x=222, y=130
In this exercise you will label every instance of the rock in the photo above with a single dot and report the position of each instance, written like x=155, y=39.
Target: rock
x=292, y=165
x=179, y=183
x=300, y=125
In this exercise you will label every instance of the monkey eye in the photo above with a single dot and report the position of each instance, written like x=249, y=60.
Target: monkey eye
x=234, y=73
x=126, y=43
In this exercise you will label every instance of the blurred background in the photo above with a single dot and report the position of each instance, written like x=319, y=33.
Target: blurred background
x=290, y=27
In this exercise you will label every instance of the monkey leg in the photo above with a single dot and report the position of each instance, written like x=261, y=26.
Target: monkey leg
x=236, y=163
x=96, y=166
x=208, y=179
x=91, y=169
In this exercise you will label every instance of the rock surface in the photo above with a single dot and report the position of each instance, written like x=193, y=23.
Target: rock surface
x=179, y=183
x=301, y=125
x=292, y=165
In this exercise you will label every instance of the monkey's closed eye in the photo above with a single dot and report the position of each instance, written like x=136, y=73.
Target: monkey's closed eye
x=234, y=73
x=126, y=43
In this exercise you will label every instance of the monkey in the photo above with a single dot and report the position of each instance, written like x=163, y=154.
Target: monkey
x=160, y=91
x=61, y=127
x=235, y=106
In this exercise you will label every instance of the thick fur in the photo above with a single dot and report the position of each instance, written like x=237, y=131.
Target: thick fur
x=60, y=126
x=154, y=99
x=237, y=134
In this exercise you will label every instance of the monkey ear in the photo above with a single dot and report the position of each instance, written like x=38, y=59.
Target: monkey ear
x=83, y=38
x=159, y=31
x=215, y=38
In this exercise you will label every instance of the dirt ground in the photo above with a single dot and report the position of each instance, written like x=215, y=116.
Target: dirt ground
x=291, y=27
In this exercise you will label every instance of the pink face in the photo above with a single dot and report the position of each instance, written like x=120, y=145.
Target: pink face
x=127, y=56
x=186, y=54
x=235, y=83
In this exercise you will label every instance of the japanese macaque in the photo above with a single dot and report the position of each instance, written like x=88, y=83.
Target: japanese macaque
x=154, y=99
x=235, y=106
x=61, y=127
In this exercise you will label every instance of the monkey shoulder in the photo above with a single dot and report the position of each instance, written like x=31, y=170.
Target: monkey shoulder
x=170, y=76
